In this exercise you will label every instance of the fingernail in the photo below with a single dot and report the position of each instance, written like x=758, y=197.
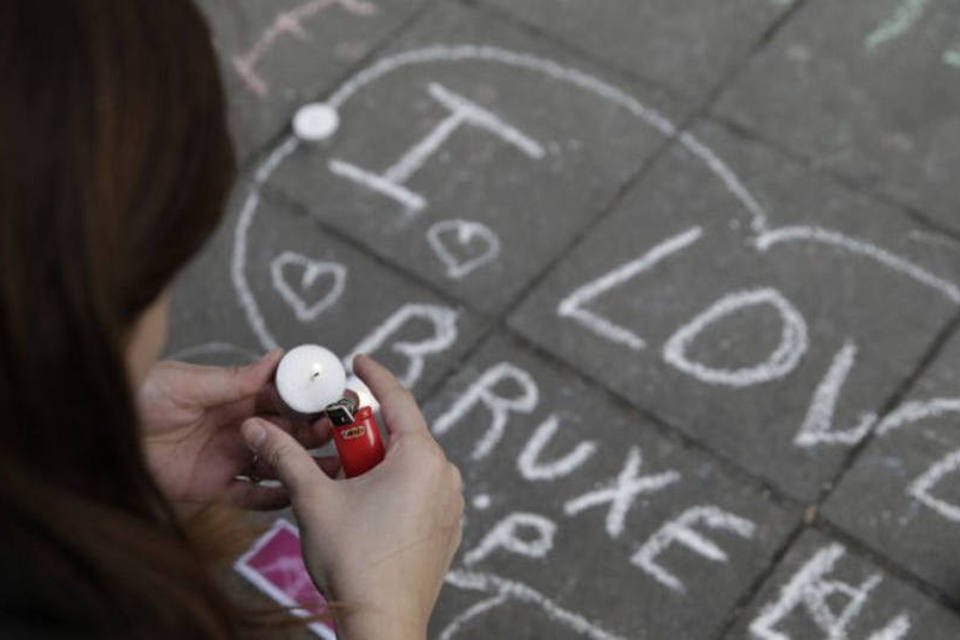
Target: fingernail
x=254, y=434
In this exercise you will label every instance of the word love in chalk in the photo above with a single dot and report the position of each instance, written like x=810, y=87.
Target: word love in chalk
x=275, y=566
x=320, y=286
x=463, y=246
x=783, y=360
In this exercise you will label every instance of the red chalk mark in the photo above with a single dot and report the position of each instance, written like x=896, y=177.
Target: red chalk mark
x=289, y=22
x=275, y=565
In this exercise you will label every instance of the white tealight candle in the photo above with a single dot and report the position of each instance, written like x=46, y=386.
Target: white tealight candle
x=309, y=378
x=316, y=122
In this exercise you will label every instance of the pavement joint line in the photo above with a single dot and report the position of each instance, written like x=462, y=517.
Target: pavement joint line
x=712, y=96
x=933, y=351
x=904, y=209
x=505, y=16
x=742, y=605
x=886, y=564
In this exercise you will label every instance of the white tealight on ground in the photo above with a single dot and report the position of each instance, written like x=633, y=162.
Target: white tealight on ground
x=309, y=378
x=315, y=122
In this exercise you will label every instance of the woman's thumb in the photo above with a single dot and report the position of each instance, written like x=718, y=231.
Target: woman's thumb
x=295, y=467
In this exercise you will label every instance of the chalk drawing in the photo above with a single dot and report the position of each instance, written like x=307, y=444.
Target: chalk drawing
x=312, y=271
x=391, y=183
x=529, y=465
x=915, y=411
x=481, y=392
x=213, y=348
x=506, y=590
x=573, y=306
x=758, y=215
x=238, y=261
x=621, y=493
x=908, y=13
x=810, y=588
x=933, y=239
x=794, y=341
x=288, y=22
x=681, y=530
x=444, y=322
x=817, y=427
x=412, y=202
x=922, y=487
x=464, y=233
x=474, y=611
x=513, y=534
x=859, y=247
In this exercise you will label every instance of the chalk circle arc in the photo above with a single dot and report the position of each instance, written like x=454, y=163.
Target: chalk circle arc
x=453, y=54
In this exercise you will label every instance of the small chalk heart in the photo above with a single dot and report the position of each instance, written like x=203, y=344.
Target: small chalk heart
x=463, y=246
x=306, y=298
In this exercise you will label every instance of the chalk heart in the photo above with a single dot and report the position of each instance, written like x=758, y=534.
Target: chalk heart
x=318, y=288
x=463, y=246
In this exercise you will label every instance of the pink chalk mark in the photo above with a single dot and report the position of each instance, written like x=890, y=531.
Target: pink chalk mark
x=289, y=22
x=275, y=565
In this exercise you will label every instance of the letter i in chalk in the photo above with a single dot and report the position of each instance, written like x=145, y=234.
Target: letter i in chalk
x=310, y=379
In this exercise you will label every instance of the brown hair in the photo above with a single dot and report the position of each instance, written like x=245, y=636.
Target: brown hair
x=114, y=167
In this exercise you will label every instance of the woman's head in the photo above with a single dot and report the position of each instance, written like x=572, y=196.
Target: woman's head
x=114, y=168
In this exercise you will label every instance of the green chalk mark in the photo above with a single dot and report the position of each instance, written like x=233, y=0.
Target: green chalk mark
x=951, y=57
x=899, y=23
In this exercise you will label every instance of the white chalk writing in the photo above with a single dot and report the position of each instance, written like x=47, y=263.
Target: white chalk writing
x=621, y=493
x=481, y=392
x=391, y=183
x=810, y=588
x=681, y=530
x=573, y=305
x=444, y=322
x=529, y=465
x=788, y=354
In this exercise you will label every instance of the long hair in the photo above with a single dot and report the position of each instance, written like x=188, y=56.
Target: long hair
x=115, y=163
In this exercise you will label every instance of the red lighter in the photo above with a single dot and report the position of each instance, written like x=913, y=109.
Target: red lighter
x=356, y=436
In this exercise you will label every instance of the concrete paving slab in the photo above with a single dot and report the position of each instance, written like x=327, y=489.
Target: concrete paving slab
x=866, y=88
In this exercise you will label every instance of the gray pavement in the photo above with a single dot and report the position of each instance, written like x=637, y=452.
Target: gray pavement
x=678, y=285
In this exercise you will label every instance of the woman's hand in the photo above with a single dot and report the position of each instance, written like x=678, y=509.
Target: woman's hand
x=190, y=420
x=380, y=543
